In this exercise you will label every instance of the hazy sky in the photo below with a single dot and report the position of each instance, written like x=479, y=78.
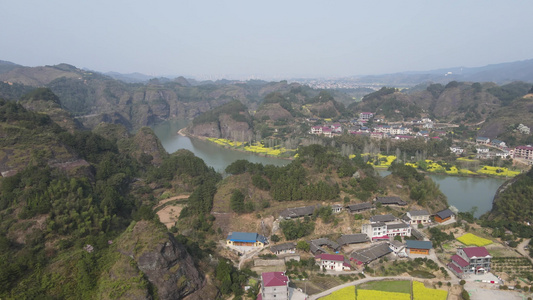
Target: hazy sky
x=265, y=38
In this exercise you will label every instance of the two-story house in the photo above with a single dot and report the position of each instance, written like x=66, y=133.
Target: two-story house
x=418, y=216
x=471, y=260
x=275, y=286
x=335, y=262
x=383, y=231
x=366, y=115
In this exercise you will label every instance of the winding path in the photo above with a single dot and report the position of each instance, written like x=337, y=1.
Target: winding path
x=521, y=250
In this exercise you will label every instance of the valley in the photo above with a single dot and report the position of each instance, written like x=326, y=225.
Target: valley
x=345, y=192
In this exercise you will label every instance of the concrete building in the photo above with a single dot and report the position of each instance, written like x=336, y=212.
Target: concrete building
x=471, y=260
x=383, y=231
x=275, y=286
x=525, y=152
x=332, y=262
x=418, y=217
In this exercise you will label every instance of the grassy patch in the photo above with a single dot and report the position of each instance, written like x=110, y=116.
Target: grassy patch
x=387, y=286
x=421, y=274
x=380, y=295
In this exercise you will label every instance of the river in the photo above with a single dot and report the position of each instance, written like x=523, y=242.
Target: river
x=214, y=156
x=462, y=192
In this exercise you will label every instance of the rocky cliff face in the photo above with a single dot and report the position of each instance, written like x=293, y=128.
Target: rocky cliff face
x=225, y=128
x=163, y=261
x=234, y=130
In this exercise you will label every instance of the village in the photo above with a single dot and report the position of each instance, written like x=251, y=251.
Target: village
x=392, y=245
x=377, y=128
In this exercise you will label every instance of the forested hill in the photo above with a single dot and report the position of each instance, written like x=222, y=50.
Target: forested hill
x=76, y=216
x=96, y=98
x=514, y=200
x=320, y=175
x=496, y=110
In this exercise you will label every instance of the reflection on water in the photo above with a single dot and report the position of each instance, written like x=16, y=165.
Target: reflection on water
x=217, y=157
x=462, y=192
x=466, y=192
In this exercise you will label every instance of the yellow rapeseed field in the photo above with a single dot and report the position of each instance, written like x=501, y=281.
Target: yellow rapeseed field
x=347, y=293
x=420, y=292
x=473, y=240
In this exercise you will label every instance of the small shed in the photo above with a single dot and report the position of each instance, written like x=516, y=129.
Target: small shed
x=444, y=215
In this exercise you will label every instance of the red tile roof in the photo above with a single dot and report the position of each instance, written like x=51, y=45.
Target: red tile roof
x=334, y=257
x=459, y=260
x=274, y=279
x=476, y=252
x=454, y=267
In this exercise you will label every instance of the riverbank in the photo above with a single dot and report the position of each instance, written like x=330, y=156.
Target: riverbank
x=255, y=149
x=379, y=162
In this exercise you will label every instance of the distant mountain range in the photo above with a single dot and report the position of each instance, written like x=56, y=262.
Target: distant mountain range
x=498, y=73
x=501, y=73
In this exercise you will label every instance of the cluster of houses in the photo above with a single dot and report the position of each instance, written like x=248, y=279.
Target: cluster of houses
x=469, y=260
x=522, y=152
x=327, y=131
x=483, y=152
x=395, y=131
x=378, y=233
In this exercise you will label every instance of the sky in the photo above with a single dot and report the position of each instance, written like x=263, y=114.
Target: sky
x=265, y=39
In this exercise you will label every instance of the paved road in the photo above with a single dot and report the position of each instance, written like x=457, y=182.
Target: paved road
x=248, y=255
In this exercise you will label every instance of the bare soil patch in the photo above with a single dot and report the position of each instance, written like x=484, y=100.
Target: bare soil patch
x=169, y=214
x=162, y=202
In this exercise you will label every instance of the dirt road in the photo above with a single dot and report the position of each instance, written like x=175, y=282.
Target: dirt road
x=521, y=250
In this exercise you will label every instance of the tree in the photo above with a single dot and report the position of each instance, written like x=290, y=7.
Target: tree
x=303, y=245
x=237, y=201
x=275, y=238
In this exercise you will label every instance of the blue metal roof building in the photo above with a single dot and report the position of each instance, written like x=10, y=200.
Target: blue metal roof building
x=246, y=237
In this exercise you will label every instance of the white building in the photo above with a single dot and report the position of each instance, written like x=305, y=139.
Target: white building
x=457, y=150
x=382, y=231
x=418, y=216
x=334, y=262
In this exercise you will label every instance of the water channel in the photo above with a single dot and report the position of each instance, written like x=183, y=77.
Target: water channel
x=462, y=192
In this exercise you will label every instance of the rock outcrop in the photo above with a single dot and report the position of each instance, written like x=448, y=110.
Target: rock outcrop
x=226, y=128
x=164, y=262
